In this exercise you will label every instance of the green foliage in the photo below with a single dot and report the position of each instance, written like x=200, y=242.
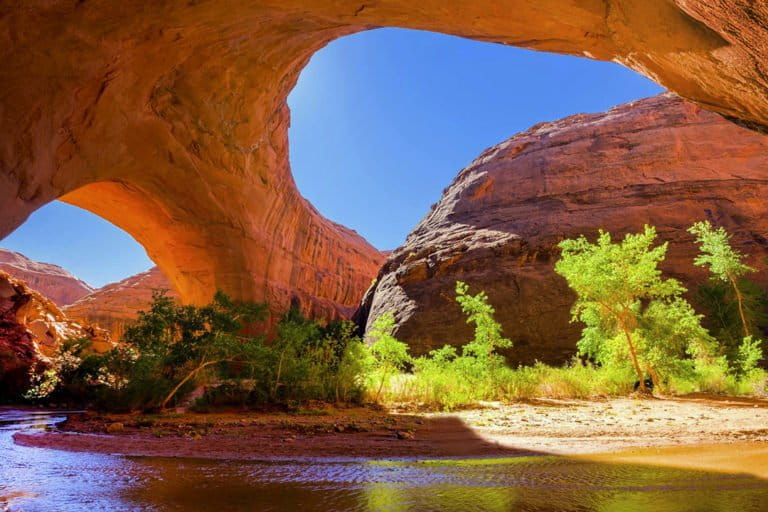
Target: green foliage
x=726, y=266
x=750, y=354
x=719, y=301
x=176, y=343
x=447, y=377
x=70, y=376
x=488, y=336
x=171, y=349
x=314, y=362
x=636, y=324
x=631, y=313
x=722, y=260
x=390, y=355
x=447, y=387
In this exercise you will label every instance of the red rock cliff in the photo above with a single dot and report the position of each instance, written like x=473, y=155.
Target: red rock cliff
x=31, y=330
x=114, y=305
x=659, y=161
x=169, y=118
x=50, y=280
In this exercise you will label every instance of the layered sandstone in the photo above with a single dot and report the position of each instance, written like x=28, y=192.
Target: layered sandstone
x=115, y=305
x=50, y=280
x=659, y=161
x=169, y=119
x=32, y=328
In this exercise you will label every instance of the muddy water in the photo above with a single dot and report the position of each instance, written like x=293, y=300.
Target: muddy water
x=36, y=479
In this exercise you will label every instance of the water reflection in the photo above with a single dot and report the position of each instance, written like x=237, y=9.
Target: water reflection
x=34, y=479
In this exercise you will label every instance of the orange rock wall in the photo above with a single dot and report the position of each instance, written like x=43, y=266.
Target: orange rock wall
x=115, y=305
x=169, y=118
x=44, y=325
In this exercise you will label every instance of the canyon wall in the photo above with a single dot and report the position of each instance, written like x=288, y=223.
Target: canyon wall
x=170, y=120
x=115, y=305
x=32, y=328
x=50, y=280
x=660, y=161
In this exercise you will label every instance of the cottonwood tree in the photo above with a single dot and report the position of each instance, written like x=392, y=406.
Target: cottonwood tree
x=726, y=266
x=723, y=261
x=175, y=343
x=629, y=310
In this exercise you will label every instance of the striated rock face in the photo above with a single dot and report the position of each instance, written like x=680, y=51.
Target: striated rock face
x=31, y=329
x=169, y=118
x=42, y=319
x=114, y=305
x=18, y=351
x=659, y=161
x=50, y=280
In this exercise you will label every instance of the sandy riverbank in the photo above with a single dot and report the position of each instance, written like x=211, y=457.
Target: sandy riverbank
x=563, y=427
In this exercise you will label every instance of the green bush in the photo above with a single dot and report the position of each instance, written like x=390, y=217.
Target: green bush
x=171, y=349
x=636, y=324
x=389, y=354
x=631, y=314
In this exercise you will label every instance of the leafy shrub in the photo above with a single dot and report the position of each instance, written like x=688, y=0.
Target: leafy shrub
x=389, y=354
x=171, y=349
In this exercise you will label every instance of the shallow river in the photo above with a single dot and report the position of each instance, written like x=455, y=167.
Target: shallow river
x=36, y=479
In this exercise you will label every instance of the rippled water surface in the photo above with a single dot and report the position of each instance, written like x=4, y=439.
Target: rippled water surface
x=35, y=479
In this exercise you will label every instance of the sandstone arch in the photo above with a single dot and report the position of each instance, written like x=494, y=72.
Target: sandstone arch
x=169, y=118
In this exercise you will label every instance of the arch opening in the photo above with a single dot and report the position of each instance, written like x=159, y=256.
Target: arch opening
x=96, y=273
x=402, y=111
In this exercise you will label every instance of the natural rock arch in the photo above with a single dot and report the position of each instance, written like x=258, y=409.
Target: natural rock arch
x=170, y=118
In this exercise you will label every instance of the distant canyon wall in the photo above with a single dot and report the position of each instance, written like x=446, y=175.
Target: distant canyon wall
x=116, y=305
x=50, y=280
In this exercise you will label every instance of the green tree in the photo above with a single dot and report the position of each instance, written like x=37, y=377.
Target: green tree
x=295, y=333
x=174, y=343
x=718, y=300
x=488, y=336
x=722, y=260
x=629, y=310
x=390, y=354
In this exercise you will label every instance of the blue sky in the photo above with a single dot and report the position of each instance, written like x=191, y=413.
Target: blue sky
x=381, y=123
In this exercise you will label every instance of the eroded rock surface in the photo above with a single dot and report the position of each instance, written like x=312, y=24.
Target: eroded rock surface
x=115, y=305
x=31, y=330
x=659, y=161
x=50, y=280
x=169, y=118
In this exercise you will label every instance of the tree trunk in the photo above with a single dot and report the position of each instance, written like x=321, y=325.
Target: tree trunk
x=654, y=377
x=741, y=307
x=277, y=376
x=381, y=386
x=633, y=354
x=184, y=381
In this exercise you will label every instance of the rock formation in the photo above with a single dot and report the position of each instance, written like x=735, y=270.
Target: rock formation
x=31, y=330
x=50, y=280
x=659, y=161
x=114, y=305
x=169, y=119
